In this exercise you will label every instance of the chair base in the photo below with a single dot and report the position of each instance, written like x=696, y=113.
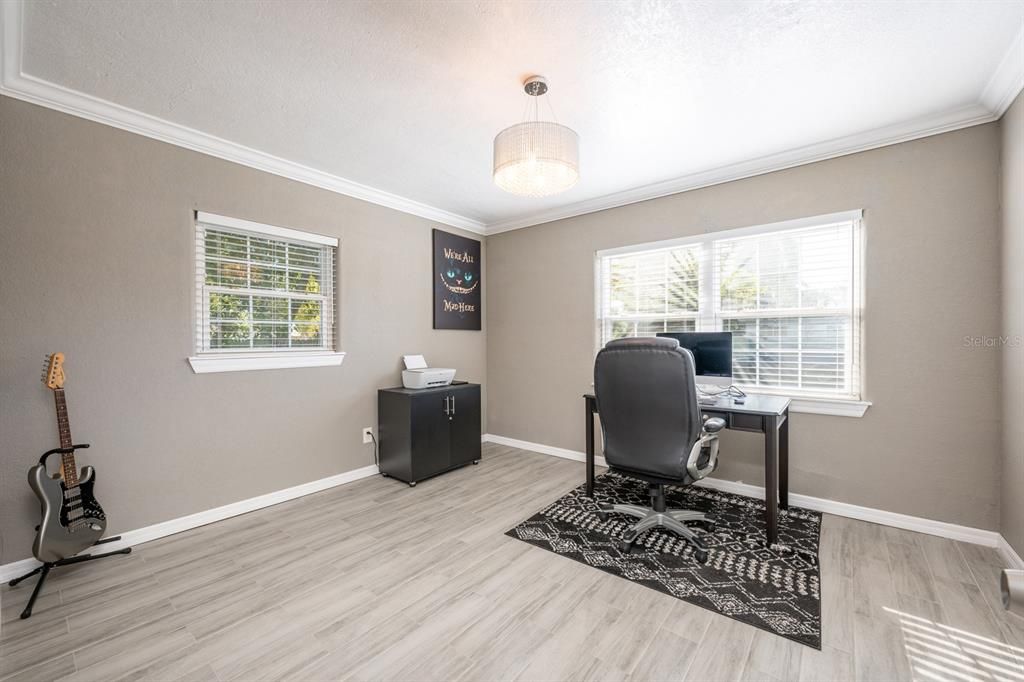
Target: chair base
x=660, y=517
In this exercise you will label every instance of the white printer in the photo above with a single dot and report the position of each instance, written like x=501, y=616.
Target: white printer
x=417, y=375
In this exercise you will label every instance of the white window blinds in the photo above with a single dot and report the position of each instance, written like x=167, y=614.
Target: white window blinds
x=262, y=289
x=789, y=293
x=650, y=292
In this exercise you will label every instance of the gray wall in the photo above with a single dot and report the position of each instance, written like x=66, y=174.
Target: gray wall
x=1012, y=197
x=96, y=260
x=929, y=445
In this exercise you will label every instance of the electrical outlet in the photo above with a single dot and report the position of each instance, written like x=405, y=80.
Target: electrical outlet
x=367, y=434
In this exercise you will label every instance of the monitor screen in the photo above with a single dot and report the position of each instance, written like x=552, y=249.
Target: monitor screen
x=712, y=351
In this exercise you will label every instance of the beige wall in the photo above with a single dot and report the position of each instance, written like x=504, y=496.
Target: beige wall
x=929, y=445
x=1012, y=199
x=96, y=260
x=96, y=251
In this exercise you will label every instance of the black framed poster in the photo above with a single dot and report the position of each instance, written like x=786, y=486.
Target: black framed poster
x=457, y=285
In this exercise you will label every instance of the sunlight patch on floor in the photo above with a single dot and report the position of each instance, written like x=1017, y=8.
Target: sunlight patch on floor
x=941, y=652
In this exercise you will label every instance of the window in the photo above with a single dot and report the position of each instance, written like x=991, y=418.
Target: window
x=262, y=292
x=789, y=292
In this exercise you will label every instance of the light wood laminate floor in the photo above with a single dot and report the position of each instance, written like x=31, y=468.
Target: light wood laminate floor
x=375, y=580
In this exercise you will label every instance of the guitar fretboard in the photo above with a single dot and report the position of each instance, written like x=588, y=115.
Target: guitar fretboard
x=67, y=460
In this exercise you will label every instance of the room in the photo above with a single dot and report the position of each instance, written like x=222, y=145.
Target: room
x=512, y=340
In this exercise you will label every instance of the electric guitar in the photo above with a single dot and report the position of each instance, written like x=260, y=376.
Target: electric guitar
x=72, y=519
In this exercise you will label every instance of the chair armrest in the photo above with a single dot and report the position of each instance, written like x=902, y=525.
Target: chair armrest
x=707, y=440
x=714, y=425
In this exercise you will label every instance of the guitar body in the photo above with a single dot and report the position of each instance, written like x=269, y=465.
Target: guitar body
x=72, y=520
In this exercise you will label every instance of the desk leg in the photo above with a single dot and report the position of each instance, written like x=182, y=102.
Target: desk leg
x=590, y=446
x=771, y=478
x=784, y=462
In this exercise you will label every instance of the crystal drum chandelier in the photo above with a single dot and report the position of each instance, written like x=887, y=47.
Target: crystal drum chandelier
x=536, y=158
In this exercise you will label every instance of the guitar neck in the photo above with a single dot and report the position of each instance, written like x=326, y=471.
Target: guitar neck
x=68, y=468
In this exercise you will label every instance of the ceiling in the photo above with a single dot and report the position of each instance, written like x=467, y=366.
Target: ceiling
x=399, y=102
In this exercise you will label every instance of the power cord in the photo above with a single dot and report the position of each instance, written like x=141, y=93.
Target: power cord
x=733, y=391
x=375, y=460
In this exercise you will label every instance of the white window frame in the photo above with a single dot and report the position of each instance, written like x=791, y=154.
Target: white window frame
x=235, y=360
x=708, y=314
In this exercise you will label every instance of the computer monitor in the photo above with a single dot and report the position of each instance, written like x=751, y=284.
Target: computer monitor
x=712, y=354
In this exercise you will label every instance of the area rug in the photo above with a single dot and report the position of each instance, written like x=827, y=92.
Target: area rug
x=777, y=589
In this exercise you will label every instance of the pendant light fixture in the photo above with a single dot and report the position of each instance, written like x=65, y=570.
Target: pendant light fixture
x=536, y=158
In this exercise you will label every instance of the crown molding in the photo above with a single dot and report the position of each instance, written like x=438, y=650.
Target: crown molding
x=1008, y=79
x=15, y=83
x=1000, y=91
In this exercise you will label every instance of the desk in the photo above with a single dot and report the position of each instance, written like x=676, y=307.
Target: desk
x=759, y=414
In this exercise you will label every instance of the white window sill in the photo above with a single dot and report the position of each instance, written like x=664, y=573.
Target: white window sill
x=830, y=406
x=204, y=364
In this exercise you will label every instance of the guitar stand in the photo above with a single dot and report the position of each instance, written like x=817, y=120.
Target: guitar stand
x=44, y=570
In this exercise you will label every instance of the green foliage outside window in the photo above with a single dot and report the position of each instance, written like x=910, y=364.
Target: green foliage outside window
x=246, y=319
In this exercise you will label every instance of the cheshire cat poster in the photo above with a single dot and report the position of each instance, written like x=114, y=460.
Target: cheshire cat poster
x=456, y=282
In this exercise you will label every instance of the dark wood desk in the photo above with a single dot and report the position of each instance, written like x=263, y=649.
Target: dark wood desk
x=760, y=414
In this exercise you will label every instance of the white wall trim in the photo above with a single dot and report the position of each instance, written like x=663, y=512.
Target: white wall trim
x=952, y=531
x=1008, y=79
x=835, y=408
x=977, y=536
x=1009, y=556
x=206, y=364
x=998, y=94
x=15, y=83
x=159, y=530
x=212, y=219
x=543, y=449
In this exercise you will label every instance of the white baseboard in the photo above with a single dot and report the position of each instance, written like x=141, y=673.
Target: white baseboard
x=1009, y=555
x=16, y=569
x=159, y=530
x=977, y=536
x=914, y=523
x=543, y=449
x=952, y=531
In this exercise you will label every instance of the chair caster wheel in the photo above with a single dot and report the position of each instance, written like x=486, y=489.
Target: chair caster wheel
x=630, y=547
x=700, y=555
x=602, y=516
x=709, y=526
x=476, y=461
x=412, y=484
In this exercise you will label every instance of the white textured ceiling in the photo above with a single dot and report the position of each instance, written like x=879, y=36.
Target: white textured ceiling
x=406, y=97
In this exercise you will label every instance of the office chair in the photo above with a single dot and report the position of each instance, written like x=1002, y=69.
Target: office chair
x=646, y=392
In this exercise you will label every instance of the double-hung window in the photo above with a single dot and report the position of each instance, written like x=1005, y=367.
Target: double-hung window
x=789, y=292
x=264, y=296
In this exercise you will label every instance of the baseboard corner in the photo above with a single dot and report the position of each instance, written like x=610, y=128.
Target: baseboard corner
x=1009, y=555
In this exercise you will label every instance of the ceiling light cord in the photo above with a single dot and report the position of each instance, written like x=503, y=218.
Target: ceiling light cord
x=551, y=107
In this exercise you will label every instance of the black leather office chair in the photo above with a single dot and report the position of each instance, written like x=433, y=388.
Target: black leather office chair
x=646, y=392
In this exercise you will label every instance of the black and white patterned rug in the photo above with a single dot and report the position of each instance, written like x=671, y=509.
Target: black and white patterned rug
x=775, y=589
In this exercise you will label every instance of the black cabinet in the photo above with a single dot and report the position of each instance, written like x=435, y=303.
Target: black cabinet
x=425, y=432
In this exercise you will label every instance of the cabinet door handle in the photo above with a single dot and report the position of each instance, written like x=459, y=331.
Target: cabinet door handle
x=446, y=405
x=453, y=404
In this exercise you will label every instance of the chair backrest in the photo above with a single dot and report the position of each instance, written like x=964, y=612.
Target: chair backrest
x=646, y=392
